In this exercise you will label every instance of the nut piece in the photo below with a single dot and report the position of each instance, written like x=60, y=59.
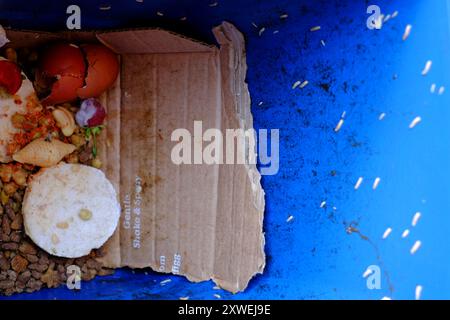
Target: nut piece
x=10, y=188
x=5, y=172
x=19, y=176
x=85, y=214
x=64, y=120
x=96, y=163
x=55, y=239
x=62, y=225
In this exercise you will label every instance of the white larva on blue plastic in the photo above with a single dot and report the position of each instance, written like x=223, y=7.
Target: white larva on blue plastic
x=386, y=233
x=405, y=233
x=418, y=292
x=415, y=122
x=339, y=125
x=433, y=88
x=261, y=31
x=376, y=182
x=407, y=32
x=367, y=273
x=415, y=218
x=415, y=247
x=296, y=84
x=358, y=183
x=427, y=67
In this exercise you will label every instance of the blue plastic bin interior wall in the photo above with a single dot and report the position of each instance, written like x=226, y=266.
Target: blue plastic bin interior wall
x=349, y=68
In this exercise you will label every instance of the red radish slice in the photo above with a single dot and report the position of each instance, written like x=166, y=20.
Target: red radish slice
x=10, y=76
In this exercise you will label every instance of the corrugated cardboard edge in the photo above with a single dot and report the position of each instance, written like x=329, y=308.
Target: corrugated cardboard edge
x=236, y=94
x=188, y=44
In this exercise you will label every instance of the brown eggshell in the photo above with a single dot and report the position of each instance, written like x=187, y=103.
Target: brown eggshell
x=103, y=68
x=63, y=90
x=64, y=64
x=63, y=59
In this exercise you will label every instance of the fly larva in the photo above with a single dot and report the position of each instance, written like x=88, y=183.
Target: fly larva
x=261, y=31
x=358, y=183
x=415, y=219
x=441, y=90
x=367, y=273
x=394, y=14
x=381, y=116
x=275, y=31
x=415, y=122
x=405, y=233
x=217, y=296
x=260, y=103
x=284, y=16
x=415, y=247
x=418, y=292
x=184, y=298
x=290, y=218
x=407, y=32
x=323, y=204
x=159, y=13
x=386, y=18
x=379, y=22
x=296, y=84
x=386, y=298
x=316, y=28
x=387, y=233
x=344, y=113
x=214, y=4
x=105, y=8
x=165, y=281
x=322, y=42
x=255, y=25
x=339, y=125
x=376, y=182
x=433, y=88
x=427, y=67
x=304, y=84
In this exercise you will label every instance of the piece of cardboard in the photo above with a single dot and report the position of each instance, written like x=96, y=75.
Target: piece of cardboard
x=201, y=221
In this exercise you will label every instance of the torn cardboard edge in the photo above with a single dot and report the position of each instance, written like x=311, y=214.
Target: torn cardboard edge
x=200, y=221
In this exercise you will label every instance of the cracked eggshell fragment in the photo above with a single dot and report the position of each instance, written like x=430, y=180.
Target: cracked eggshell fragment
x=103, y=69
x=70, y=209
x=64, y=66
